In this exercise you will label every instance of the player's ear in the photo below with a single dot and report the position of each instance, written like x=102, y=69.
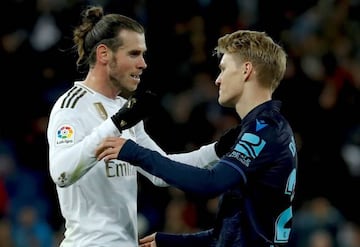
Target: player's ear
x=102, y=53
x=247, y=69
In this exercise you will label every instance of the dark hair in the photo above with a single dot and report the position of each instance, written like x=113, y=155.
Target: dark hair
x=97, y=28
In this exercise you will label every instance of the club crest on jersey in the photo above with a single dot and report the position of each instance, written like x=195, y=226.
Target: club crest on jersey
x=65, y=135
x=101, y=110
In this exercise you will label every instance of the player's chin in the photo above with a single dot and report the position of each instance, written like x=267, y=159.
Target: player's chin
x=133, y=85
x=221, y=101
x=224, y=103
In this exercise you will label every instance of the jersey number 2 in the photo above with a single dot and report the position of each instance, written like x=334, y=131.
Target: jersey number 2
x=282, y=232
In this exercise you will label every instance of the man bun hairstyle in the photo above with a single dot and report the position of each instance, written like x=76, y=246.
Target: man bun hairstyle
x=99, y=28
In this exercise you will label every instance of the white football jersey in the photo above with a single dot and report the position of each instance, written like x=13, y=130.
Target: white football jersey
x=98, y=200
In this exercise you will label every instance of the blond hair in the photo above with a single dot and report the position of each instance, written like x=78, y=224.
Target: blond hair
x=267, y=57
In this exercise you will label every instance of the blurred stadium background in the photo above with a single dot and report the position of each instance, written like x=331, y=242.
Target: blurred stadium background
x=320, y=95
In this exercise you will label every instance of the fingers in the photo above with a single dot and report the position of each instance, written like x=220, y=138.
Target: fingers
x=107, y=154
x=147, y=239
x=105, y=144
x=145, y=245
x=148, y=244
x=109, y=148
x=100, y=151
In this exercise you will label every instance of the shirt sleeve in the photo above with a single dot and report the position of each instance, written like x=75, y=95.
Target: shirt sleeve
x=71, y=150
x=205, y=156
x=204, y=182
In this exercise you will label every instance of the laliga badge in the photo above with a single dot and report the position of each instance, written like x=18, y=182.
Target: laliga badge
x=65, y=135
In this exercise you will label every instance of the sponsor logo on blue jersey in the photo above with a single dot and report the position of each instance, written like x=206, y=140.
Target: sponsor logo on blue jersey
x=248, y=148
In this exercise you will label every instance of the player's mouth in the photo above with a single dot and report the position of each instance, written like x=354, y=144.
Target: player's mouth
x=135, y=77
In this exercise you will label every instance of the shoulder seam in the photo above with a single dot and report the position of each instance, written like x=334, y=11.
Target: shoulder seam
x=73, y=97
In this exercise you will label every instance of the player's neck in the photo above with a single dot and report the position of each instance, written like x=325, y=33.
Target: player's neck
x=99, y=84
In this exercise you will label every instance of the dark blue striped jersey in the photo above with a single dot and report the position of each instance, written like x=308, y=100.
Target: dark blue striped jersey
x=255, y=181
x=259, y=208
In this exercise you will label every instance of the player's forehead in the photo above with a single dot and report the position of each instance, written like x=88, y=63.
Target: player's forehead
x=228, y=59
x=133, y=41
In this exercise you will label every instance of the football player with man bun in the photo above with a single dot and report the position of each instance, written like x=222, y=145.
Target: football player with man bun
x=98, y=199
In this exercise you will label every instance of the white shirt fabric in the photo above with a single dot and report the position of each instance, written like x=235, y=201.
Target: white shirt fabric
x=98, y=200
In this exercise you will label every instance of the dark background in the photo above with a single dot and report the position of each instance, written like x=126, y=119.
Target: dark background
x=320, y=95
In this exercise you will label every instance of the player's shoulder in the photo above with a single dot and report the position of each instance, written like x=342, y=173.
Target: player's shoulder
x=269, y=114
x=266, y=121
x=74, y=98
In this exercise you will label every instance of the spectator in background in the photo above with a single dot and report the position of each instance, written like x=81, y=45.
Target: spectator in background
x=32, y=230
x=316, y=220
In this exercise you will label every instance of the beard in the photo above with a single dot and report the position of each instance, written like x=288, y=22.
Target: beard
x=119, y=80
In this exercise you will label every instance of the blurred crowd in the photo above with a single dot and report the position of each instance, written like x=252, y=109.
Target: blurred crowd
x=320, y=94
